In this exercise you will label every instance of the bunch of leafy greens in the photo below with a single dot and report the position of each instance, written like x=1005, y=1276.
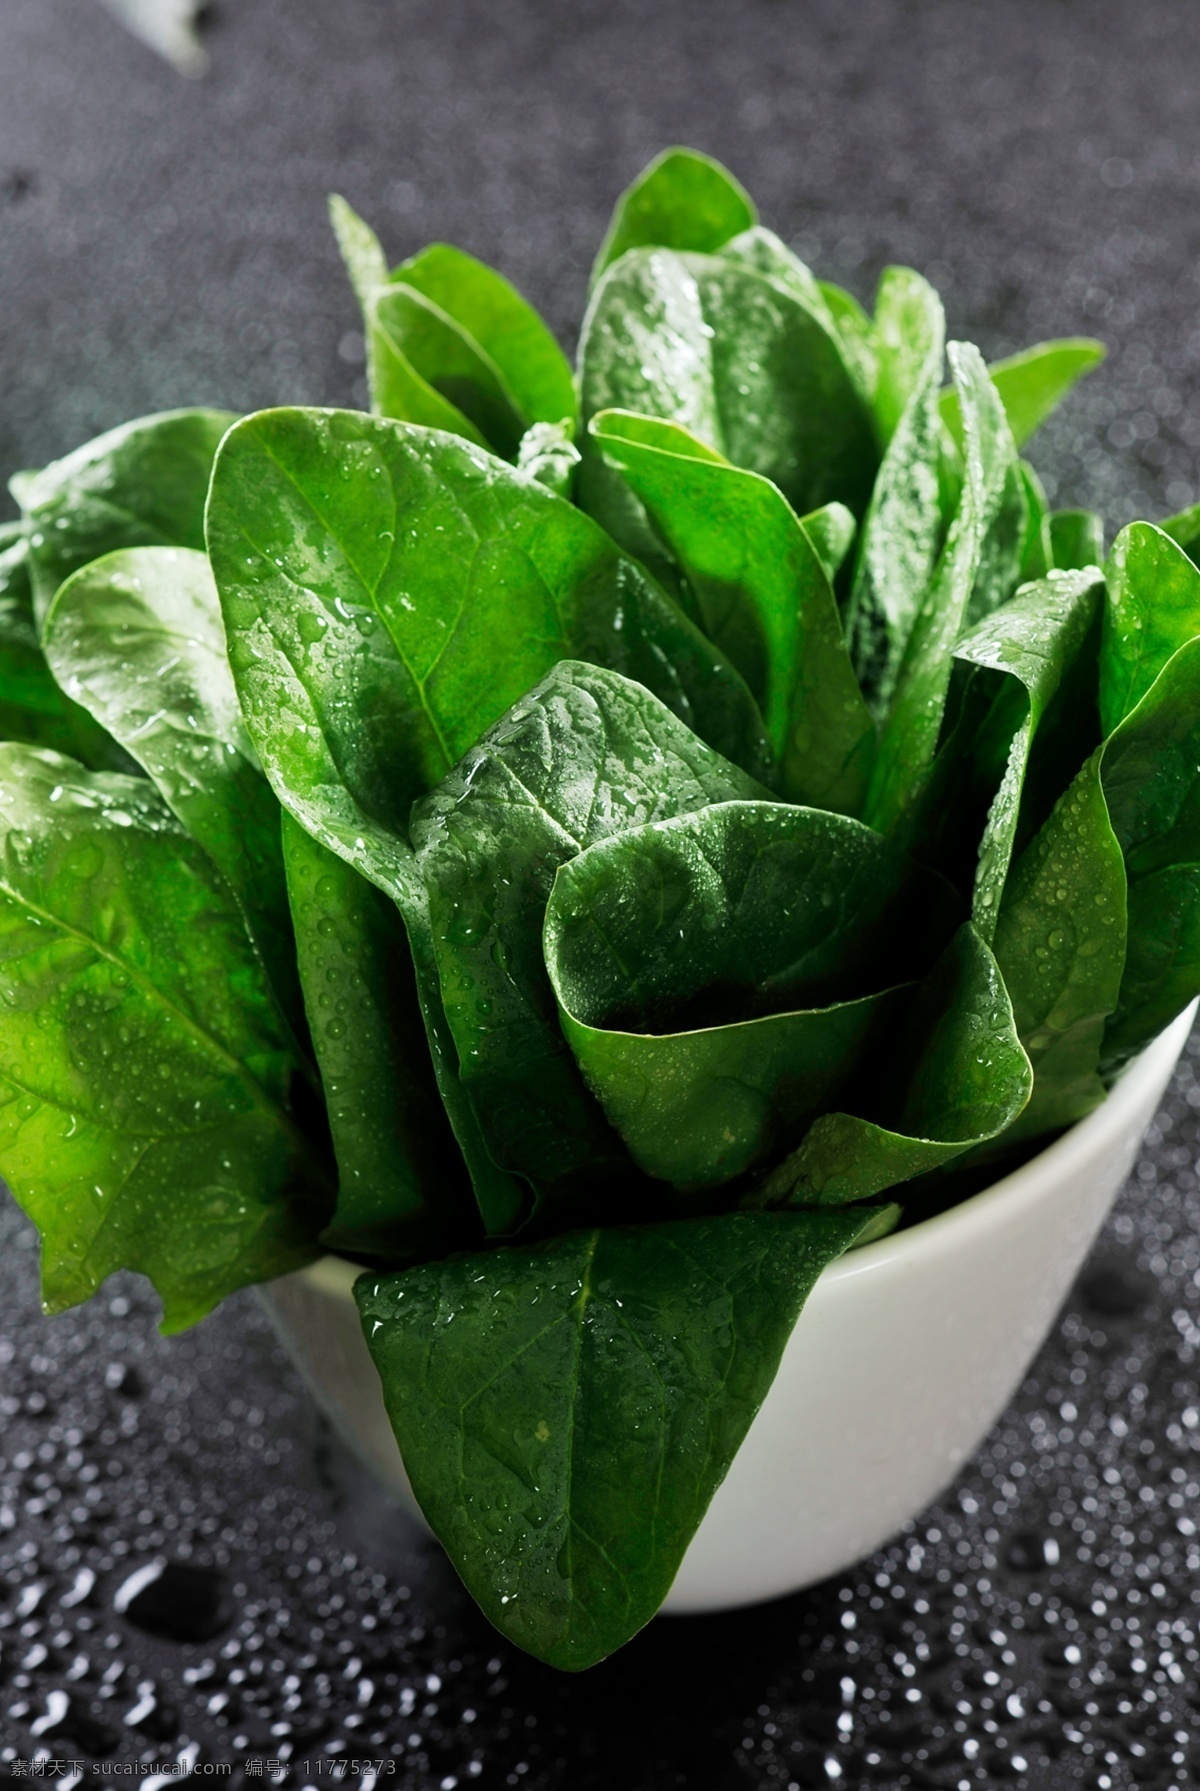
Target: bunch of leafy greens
x=574, y=843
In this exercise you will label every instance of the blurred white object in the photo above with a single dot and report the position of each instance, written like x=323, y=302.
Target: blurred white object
x=904, y=1356
x=168, y=26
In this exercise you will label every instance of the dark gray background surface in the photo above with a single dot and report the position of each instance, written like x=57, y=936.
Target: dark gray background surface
x=164, y=243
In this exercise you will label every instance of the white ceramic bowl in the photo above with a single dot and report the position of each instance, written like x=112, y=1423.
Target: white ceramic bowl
x=904, y=1356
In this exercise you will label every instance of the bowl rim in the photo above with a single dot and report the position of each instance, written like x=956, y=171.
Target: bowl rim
x=1097, y=1133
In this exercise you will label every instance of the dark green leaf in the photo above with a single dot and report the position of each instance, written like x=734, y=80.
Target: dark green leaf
x=1162, y=959
x=1032, y=384
x=142, y=485
x=1153, y=609
x=1034, y=639
x=424, y=369
x=763, y=596
x=910, y=731
x=33, y=710
x=567, y=1411
x=683, y=200
x=719, y=974
x=502, y=324
x=365, y=571
x=586, y=754
x=903, y=526
x=136, y=638
x=1003, y=551
x=145, y=1072
x=1060, y=944
x=1152, y=785
x=401, y=1188
x=738, y=360
x=953, y=1078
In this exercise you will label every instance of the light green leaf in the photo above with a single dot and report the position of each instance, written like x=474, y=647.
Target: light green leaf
x=1037, y=555
x=360, y=249
x=501, y=323
x=1153, y=609
x=136, y=639
x=1076, y=539
x=144, y=1072
x=1032, y=384
x=1184, y=528
x=831, y=529
x=683, y=200
x=549, y=455
x=856, y=332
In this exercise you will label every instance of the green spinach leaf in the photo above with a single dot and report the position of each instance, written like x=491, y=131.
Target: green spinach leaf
x=856, y=333
x=502, y=324
x=1035, y=639
x=1184, y=528
x=1032, y=384
x=909, y=735
x=1076, y=539
x=954, y=1077
x=360, y=249
x=424, y=369
x=1152, y=787
x=33, y=710
x=144, y=1118
x=566, y=1411
x=586, y=754
x=718, y=975
x=903, y=526
x=402, y=1191
x=549, y=455
x=364, y=570
x=1153, y=609
x=136, y=639
x=683, y=200
x=738, y=360
x=142, y=485
x=763, y=596
x=1060, y=944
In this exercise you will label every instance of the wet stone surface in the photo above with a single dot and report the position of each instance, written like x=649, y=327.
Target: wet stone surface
x=191, y=1572
x=193, y=1569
